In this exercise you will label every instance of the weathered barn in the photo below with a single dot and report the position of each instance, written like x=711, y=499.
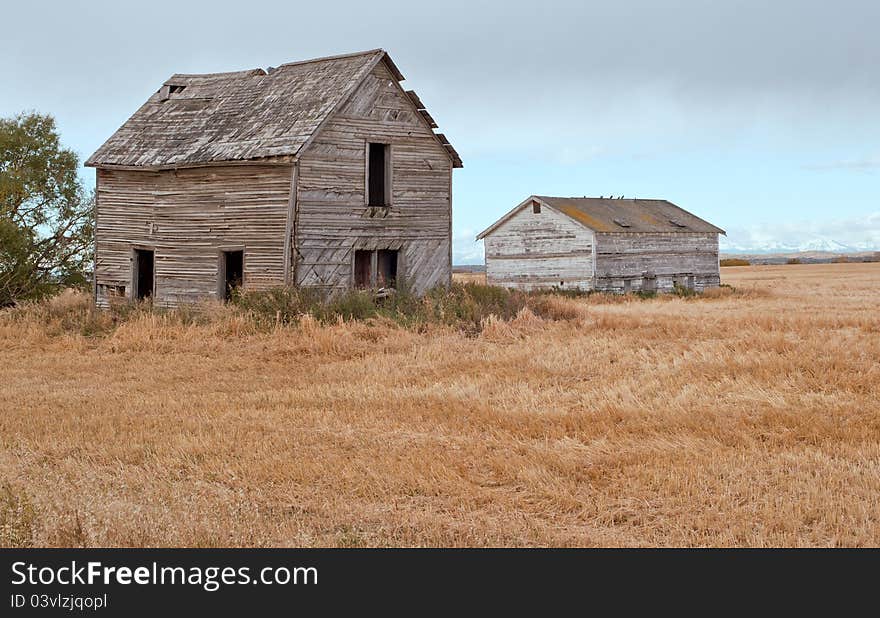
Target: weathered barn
x=319, y=173
x=615, y=245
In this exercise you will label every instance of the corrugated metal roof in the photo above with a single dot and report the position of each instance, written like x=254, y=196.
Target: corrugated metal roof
x=243, y=115
x=625, y=216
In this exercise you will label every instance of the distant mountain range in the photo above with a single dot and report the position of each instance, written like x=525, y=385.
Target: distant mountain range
x=813, y=244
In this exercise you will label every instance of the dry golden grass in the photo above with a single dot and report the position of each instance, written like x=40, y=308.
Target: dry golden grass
x=732, y=419
x=470, y=277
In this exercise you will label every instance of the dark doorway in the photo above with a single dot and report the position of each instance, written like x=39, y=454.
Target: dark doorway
x=233, y=272
x=386, y=268
x=144, y=268
x=363, y=268
x=376, y=174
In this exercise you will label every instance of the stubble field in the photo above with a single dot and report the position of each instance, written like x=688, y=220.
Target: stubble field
x=749, y=419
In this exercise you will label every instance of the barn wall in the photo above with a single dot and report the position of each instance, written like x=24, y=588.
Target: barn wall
x=543, y=250
x=332, y=219
x=623, y=260
x=187, y=216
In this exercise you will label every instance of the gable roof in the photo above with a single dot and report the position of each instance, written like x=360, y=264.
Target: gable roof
x=240, y=116
x=617, y=215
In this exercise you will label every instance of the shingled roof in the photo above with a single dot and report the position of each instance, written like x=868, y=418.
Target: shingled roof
x=238, y=116
x=618, y=215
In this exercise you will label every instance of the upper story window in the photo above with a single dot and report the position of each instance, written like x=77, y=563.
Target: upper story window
x=379, y=174
x=167, y=90
x=536, y=208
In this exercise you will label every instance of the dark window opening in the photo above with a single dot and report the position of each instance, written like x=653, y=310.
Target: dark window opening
x=363, y=268
x=233, y=272
x=536, y=208
x=386, y=268
x=111, y=291
x=144, y=266
x=375, y=269
x=175, y=89
x=377, y=175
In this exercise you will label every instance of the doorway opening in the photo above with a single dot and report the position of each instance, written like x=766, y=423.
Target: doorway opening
x=386, y=268
x=144, y=273
x=233, y=272
x=363, y=268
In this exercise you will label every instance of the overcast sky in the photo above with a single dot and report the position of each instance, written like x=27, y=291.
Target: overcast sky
x=760, y=116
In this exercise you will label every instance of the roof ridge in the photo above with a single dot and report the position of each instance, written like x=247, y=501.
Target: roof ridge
x=623, y=199
x=243, y=73
x=261, y=71
x=334, y=57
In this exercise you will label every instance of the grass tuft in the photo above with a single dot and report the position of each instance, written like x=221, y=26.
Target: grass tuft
x=17, y=518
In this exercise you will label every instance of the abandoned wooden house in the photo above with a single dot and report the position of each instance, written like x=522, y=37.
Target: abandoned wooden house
x=322, y=173
x=614, y=245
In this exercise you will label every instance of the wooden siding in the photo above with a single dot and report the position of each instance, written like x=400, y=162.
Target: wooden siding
x=629, y=261
x=332, y=218
x=188, y=216
x=540, y=250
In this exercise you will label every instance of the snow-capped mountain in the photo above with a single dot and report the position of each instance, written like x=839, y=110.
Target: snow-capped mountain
x=816, y=243
x=825, y=244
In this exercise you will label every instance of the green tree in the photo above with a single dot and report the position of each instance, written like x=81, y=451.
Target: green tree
x=46, y=226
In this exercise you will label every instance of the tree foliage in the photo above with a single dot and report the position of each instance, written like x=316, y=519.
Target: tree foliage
x=46, y=225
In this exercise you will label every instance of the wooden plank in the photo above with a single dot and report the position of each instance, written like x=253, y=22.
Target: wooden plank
x=289, y=223
x=415, y=99
x=428, y=118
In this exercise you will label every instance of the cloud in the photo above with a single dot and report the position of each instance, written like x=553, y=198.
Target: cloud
x=466, y=250
x=686, y=99
x=591, y=72
x=853, y=165
x=845, y=234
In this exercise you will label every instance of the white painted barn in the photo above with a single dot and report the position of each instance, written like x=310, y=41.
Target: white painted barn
x=606, y=244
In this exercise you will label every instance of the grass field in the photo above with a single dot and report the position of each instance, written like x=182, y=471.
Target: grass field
x=747, y=418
